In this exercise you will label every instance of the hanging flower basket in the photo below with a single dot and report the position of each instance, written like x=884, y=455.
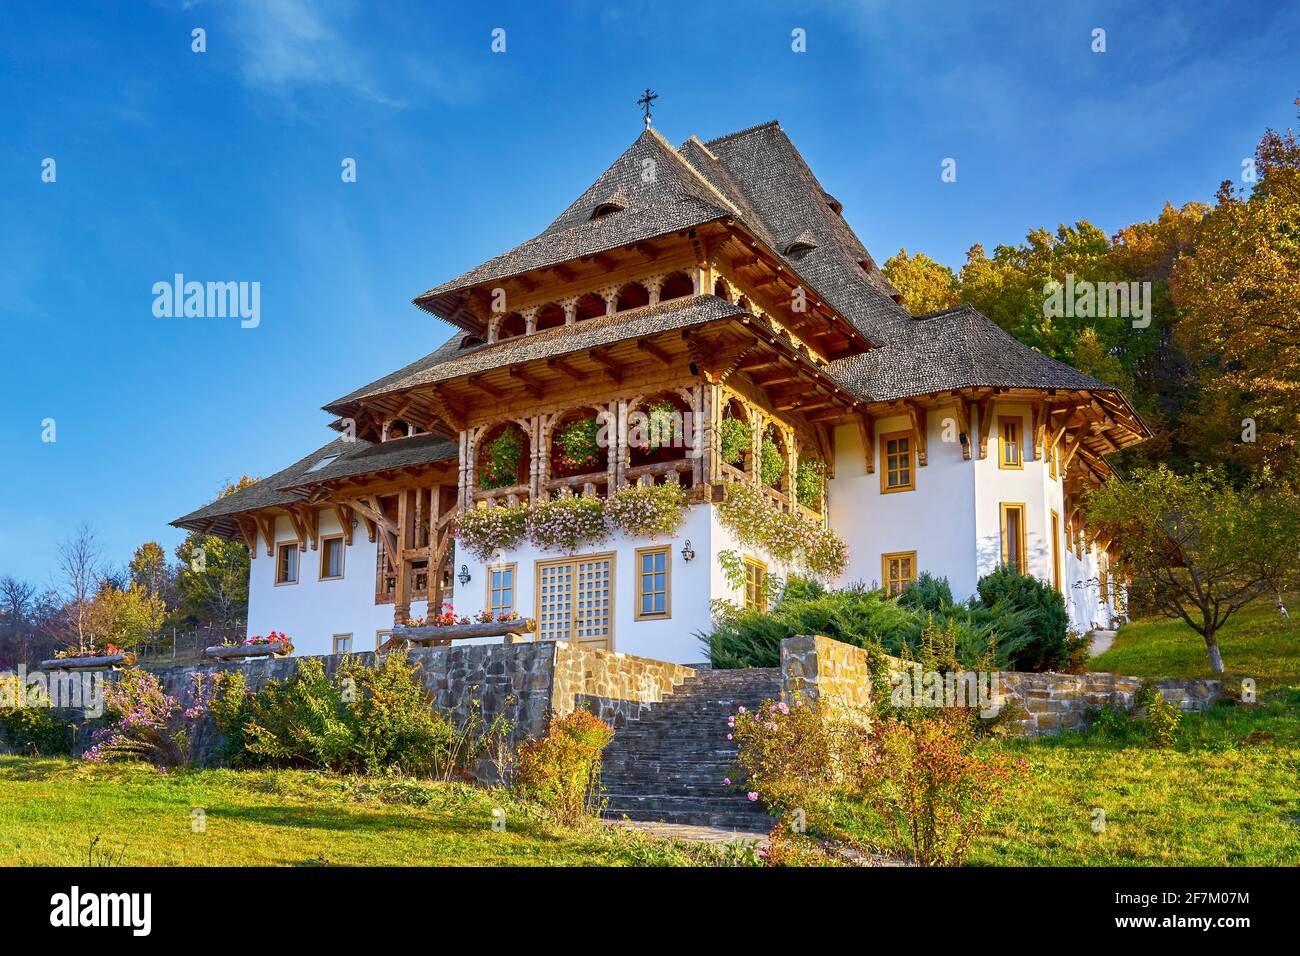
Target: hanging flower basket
x=579, y=448
x=501, y=464
x=735, y=441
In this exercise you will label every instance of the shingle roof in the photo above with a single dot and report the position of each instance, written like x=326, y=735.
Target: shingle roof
x=950, y=349
x=604, y=330
x=675, y=197
x=352, y=458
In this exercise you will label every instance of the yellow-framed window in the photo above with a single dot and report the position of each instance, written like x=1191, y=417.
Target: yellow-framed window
x=654, y=576
x=1011, y=449
x=897, y=570
x=897, y=462
x=1056, y=551
x=286, y=563
x=501, y=589
x=381, y=636
x=755, y=585
x=331, y=558
x=342, y=643
x=1013, y=537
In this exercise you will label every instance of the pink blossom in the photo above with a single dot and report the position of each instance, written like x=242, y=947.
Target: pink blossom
x=726, y=781
x=752, y=796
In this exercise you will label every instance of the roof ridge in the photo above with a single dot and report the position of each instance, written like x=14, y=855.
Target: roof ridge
x=727, y=203
x=744, y=132
x=696, y=140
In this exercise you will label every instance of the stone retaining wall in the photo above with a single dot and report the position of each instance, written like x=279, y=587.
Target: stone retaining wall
x=527, y=682
x=818, y=668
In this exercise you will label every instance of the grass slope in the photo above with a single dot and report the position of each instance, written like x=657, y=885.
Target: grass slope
x=1255, y=643
x=51, y=811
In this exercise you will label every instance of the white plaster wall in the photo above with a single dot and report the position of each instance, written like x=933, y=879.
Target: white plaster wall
x=312, y=611
x=673, y=639
x=937, y=520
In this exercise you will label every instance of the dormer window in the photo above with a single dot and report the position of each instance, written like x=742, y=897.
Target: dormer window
x=836, y=206
x=801, y=247
x=470, y=341
x=324, y=462
x=615, y=202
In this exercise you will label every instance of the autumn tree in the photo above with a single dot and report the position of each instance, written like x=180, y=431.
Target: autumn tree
x=212, y=574
x=125, y=617
x=1239, y=290
x=1197, y=548
x=925, y=285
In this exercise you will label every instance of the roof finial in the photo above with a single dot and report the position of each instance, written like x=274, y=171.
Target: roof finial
x=648, y=97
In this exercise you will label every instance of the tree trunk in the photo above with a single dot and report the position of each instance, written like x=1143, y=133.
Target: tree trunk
x=1216, y=659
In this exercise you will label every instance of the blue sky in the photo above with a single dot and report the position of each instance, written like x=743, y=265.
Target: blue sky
x=225, y=166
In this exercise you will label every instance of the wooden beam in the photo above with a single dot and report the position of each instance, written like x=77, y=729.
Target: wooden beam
x=267, y=524
x=649, y=348
x=963, y=426
x=984, y=408
x=344, y=514
x=867, y=432
x=564, y=368
x=920, y=431
x=476, y=381
x=611, y=368
x=531, y=385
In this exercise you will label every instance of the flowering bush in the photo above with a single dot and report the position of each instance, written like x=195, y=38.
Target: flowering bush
x=501, y=466
x=734, y=437
x=567, y=522
x=90, y=650
x=486, y=532
x=579, y=448
x=933, y=792
x=648, y=511
x=797, y=757
x=562, y=770
x=787, y=537
x=810, y=482
x=145, y=723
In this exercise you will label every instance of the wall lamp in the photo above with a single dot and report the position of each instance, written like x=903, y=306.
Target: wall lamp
x=688, y=553
x=463, y=577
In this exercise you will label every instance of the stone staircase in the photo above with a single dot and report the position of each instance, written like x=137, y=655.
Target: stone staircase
x=669, y=766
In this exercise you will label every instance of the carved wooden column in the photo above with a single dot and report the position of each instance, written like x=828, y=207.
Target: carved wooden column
x=620, y=459
x=653, y=286
x=757, y=424
x=405, y=534
x=611, y=300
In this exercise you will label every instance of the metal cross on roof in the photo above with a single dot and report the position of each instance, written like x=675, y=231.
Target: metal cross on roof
x=648, y=97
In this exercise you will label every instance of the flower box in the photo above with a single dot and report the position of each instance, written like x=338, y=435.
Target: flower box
x=449, y=632
x=88, y=663
x=226, y=652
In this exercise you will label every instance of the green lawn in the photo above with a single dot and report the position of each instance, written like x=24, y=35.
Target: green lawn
x=1255, y=643
x=52, y=810
x=1226, y=794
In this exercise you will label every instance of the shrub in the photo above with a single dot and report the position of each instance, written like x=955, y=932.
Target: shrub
x=927, y=593
x=981, y=636
x=501, y=463
x=363, y=719
x=146, y=723
x=648, y=511
x=931, y=790
x=734, y=438
x=810, y=482
x=34, y=731
x=561, y=771
x=1047, y=618
x=1162, y=716
x=568, y=522
x=486, y=532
